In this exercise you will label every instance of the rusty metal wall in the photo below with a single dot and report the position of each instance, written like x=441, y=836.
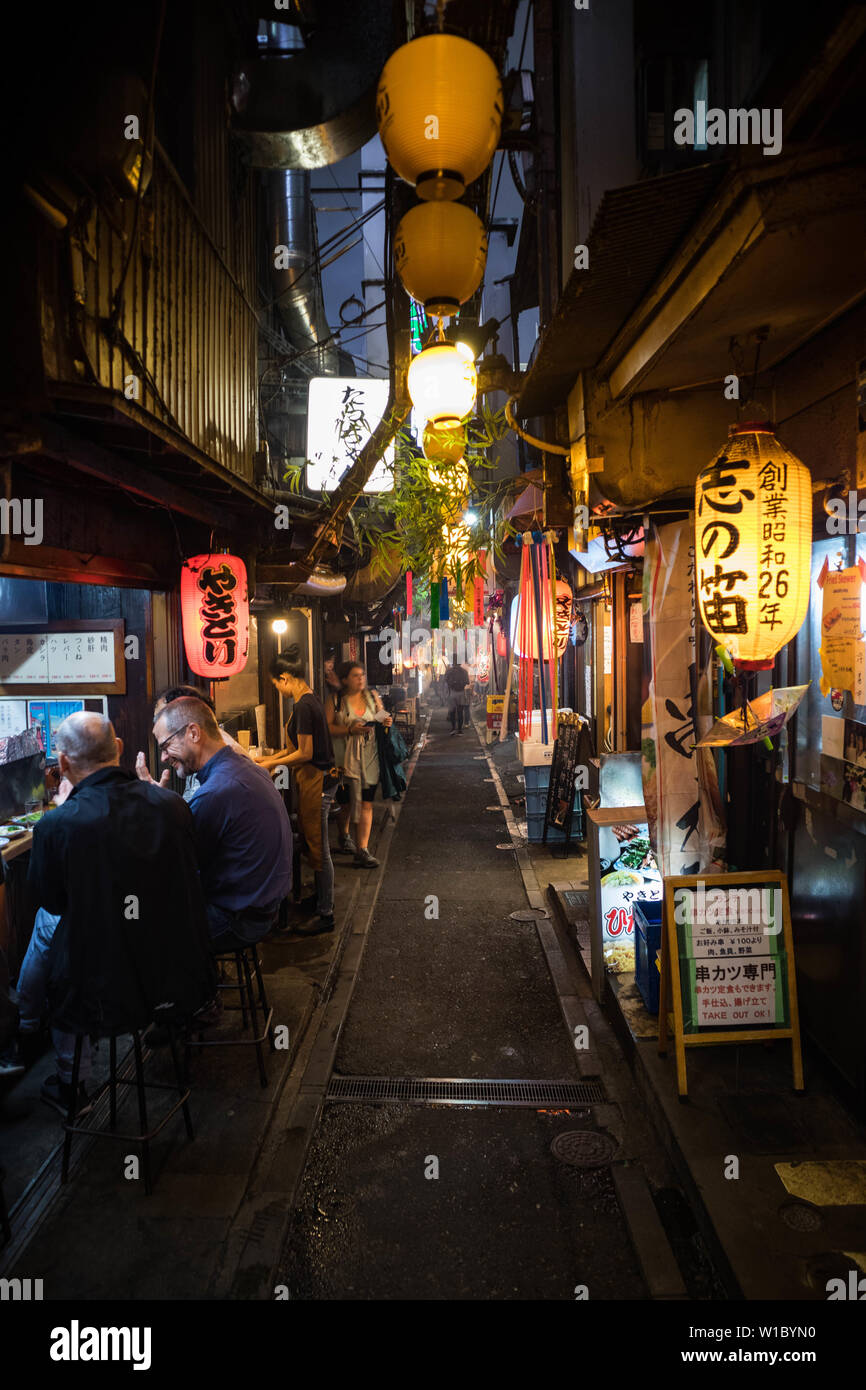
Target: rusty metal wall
x=184, y=323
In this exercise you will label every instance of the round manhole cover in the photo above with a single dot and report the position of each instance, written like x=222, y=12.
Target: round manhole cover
x=801, y=1216
x=530, y=914
x=584, y=1148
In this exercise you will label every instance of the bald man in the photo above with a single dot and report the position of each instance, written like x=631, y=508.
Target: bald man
x=116, y=866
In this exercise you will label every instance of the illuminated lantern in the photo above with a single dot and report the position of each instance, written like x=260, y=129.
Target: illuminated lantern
x=753, y=545
x=559, y=625
x=439, y=110
x=443, y=383
x=440, y=250
x=216, y=614
x=445, y=445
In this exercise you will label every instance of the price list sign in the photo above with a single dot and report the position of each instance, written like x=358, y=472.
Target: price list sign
x=728, y=950
x=63, y=657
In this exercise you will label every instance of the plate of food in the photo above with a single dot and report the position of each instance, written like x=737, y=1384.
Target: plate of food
x=621, y=878
x=11, y=832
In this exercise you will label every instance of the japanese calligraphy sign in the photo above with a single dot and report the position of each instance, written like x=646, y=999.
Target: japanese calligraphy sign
x=843, y=652
x=342, y=413
x=729, y=948
x=753, y=537
x=216, y=614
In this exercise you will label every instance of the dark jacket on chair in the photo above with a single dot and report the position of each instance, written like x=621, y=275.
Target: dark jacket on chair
x=117, y=861
x=392, y=754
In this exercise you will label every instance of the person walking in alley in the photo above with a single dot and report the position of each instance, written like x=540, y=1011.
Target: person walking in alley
x=311, y=756
x=351, y=722
x=242, y=829
x=458, y=681
x=122, y=933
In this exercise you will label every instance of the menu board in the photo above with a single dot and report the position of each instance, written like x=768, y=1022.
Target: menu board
x=66, y=656
x=13, y=717
x=732, y=955
x=571, y=753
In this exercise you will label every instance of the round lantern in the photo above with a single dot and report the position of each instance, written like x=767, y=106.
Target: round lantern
x=216, y=614
x=443, y=383
x=439, y=110
x=445, y=445
x=440, y=250
x=753, y=545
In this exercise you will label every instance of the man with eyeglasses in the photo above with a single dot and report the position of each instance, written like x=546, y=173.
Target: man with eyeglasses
x=242, y=829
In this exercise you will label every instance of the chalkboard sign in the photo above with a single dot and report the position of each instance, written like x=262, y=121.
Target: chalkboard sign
x=571, y=753
x=730, y=952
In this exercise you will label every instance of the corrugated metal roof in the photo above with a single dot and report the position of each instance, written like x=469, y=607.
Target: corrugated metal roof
x=635, y=233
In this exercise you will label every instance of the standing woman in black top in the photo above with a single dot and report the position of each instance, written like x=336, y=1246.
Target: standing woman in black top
x=311, y=755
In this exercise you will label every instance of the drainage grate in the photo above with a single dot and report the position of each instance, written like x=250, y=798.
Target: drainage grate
x=453, y=1090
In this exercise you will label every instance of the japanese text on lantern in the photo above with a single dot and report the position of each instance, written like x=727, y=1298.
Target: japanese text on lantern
x=721, y=497
x=219, y=614
x=773, y=576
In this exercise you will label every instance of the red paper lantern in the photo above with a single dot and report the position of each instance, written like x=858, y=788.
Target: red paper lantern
x=216, y=614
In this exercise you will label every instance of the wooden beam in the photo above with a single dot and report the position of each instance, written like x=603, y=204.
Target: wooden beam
x=72, y=449
x=57, y=565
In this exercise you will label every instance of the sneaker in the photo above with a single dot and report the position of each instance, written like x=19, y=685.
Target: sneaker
x=58, y=1094
x=346, y=845
x=322, y=924
x=11, y=1063
x=365, y=860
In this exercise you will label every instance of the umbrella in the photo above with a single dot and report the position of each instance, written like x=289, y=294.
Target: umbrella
x=758, y=719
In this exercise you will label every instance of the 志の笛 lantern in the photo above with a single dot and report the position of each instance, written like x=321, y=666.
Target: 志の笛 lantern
x=443, y=383
x=440, y=250
x=439, y=110
x=753, y=541
x=216, y=614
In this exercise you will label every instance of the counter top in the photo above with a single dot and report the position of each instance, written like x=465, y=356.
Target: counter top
x=19, y=845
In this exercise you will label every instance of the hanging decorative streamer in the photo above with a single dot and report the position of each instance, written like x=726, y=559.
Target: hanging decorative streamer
x=536, y=633
x=478, y=615
x=434, y=603
x=443, y=599
x=408, y=593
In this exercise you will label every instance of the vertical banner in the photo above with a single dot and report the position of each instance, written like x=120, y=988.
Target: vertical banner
x=479, y=602
x=681, y=793
x=434, y=604
x=443, y=599
x=408, y=593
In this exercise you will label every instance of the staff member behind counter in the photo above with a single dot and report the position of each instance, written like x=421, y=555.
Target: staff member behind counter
x=311, y=757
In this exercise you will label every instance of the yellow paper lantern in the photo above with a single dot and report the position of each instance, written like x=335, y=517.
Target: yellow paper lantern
x=439, y=108
x=445, y=445
x=440, y=250
x=442, y=383
x=753, y=545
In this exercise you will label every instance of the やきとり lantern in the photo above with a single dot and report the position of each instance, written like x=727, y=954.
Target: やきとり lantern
x=443, y=383
x=440, y=250
x=216, y=614
x=753, y=545
x=439, y=109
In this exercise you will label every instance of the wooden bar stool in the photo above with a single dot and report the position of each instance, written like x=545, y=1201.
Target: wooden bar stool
x=252, y=997
x=144, y=1136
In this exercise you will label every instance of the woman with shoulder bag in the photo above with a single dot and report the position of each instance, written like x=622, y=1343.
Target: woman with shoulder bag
x=354, y=718
x=311, y=756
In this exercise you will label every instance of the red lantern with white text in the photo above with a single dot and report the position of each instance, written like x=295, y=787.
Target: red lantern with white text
x=216, y=615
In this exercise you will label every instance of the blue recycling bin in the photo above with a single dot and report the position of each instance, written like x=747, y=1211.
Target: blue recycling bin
x=647, y=918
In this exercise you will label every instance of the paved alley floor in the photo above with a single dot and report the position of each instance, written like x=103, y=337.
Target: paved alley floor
x=437, y=1201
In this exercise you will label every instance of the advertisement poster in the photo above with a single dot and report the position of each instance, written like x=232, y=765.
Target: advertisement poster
x=843, y=653
x=628, y=873
x=47, y=715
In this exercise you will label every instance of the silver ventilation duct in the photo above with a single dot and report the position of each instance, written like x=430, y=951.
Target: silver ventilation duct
x=295, y=274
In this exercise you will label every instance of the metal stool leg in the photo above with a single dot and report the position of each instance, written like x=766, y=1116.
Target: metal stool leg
x=263, y=998
x=112, y=1082
x=263, y=1076
x=73, y=1105
x=142, y=1110
x=179, y=1077
x=240, y=962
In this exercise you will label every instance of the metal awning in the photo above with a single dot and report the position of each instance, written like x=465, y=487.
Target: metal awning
x=635, y=233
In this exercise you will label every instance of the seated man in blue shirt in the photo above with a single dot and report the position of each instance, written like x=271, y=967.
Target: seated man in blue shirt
x=242, y=829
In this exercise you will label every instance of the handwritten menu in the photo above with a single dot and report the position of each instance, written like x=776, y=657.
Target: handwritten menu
x=57, y=658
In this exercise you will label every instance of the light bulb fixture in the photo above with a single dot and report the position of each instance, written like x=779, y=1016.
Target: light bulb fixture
x=279, y=626
x=443, y=383
x=471, y=518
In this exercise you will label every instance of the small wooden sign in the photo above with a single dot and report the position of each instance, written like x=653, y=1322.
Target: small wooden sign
x=728, y=958
x=571, y=751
